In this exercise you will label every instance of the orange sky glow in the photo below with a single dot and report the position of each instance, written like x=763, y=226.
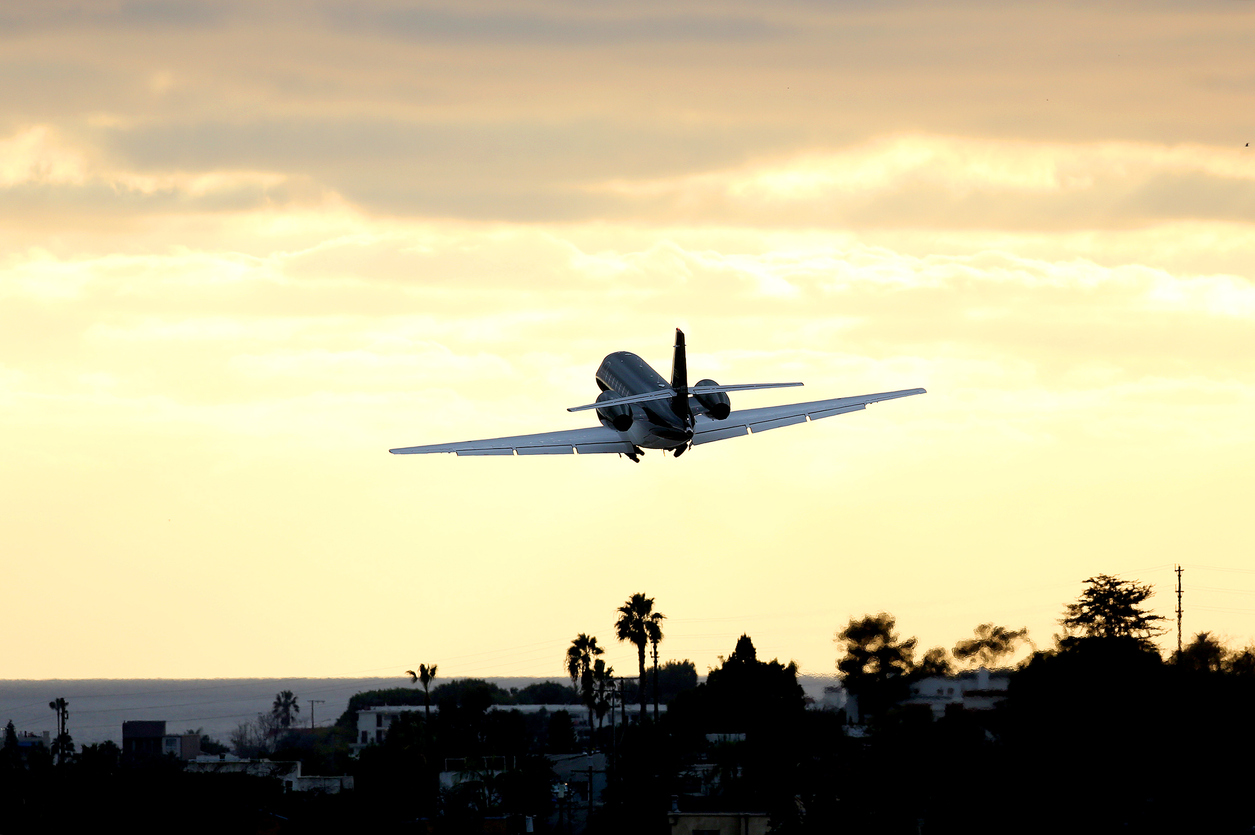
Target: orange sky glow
x=247, y=248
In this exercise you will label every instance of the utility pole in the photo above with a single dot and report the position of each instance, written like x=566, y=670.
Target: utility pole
x=655, y=683
x=313, y=702
x=1178, y=570
x=614, y=731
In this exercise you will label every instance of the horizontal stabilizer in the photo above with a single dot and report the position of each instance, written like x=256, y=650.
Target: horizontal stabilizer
x=667, y=393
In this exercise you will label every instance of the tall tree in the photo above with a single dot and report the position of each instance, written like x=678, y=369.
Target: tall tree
x=674, y=677
x=936, y=662
x=1111, y=608
x=1203, y=654
x=603, y=689
x=425, y=675
x=284, y=707
x=875, y=663
x=655, y=638
x=639, y=624
x=579, y=666
x=991, y=644
x=10, y=756
x=63, y=745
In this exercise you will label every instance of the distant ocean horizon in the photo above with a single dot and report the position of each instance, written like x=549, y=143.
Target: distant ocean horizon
x=213, y=706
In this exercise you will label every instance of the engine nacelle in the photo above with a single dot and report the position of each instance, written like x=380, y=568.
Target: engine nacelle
x=620, y=417
x=716, y=405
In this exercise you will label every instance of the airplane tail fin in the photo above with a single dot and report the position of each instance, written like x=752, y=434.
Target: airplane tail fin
x=679, y=366
x=680, y=379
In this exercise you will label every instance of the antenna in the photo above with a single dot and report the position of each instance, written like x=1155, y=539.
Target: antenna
x=1179, y=570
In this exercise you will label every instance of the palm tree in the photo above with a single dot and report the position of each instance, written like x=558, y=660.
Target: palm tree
x=639, y=624
x=425, y=674
x=62, y=746
x=603, y=689
x=580, y=657
x=285, y=705
x=655, y=638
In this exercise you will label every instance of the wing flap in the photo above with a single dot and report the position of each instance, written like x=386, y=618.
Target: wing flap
x=744, y=421
x=710, y=435
x=594, y=449
x=790, y=420
x=841, y=411
x=542, y=443
x=565, y=449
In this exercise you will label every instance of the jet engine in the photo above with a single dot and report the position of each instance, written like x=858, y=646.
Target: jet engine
x=716, y=405
x=620, y=417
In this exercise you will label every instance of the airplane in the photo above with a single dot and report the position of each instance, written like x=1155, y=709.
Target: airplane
x=640, y=410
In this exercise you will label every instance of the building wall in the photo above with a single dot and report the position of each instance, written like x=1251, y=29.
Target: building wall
x=723, y=823
x=373, y=722
x=976, y=690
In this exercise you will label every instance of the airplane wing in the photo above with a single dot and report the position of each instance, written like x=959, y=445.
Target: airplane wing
x=588, y=441
x=773, y=417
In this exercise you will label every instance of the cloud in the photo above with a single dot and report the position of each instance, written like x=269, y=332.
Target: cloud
x=249, y=247
x=560, y=25
x=434, y=306
x=511, y=172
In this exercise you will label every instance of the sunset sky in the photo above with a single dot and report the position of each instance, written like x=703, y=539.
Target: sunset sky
x=246, y=248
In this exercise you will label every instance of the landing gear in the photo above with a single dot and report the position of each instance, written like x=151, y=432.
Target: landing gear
x=635, y=455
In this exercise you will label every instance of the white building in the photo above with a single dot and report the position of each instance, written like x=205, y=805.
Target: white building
x=373, y=722
x=975, y=690
x=288, y=772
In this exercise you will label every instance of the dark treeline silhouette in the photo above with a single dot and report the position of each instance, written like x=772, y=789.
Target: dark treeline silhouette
x=540, y=693
x=1095, y=733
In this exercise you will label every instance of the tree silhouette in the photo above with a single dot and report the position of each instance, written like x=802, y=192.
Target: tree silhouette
x=63, y=745
x=426, y=675
x=655, y=638
x=285, y=705
x=603, y=690
x=675, y=677
x=1203, y=654
x=757, y=698
x=936, y=662
x=1242, y=662
x=1111, y=608
x=639, y=624
x=990, y=644
x=875, y=663
x=10, y=756
x=579, y=666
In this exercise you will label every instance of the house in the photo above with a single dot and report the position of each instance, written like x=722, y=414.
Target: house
x=287, y=772
x=718, y=823
x=148, y=738
x=27, y=740
x=373, y=722
x=973, y=690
